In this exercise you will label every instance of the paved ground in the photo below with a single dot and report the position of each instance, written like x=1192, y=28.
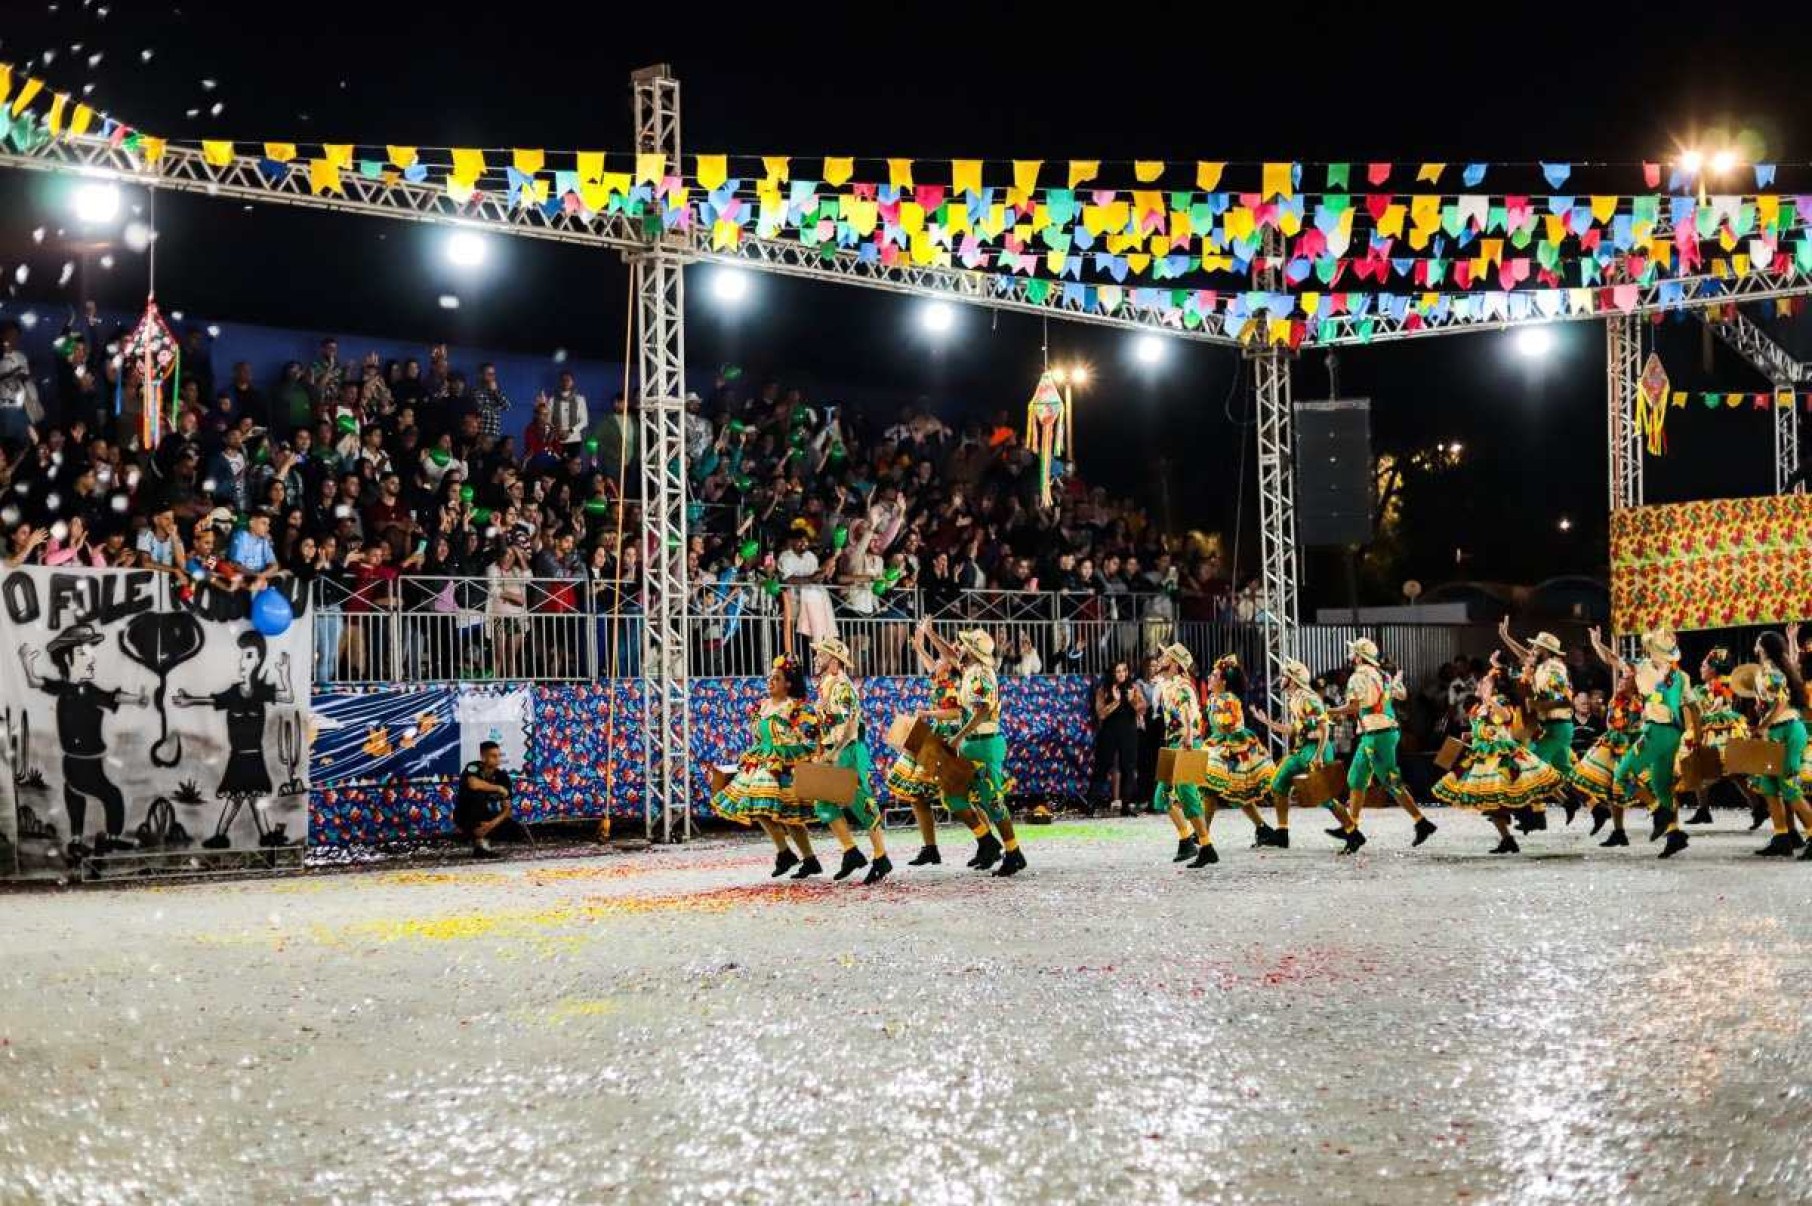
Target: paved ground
x=1435, y=1025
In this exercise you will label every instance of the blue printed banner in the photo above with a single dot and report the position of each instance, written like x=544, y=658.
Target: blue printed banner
x=377, y=737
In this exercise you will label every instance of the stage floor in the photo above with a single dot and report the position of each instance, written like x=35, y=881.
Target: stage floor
x=1433, y=1025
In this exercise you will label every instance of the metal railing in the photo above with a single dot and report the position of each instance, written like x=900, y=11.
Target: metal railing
x=514, y=627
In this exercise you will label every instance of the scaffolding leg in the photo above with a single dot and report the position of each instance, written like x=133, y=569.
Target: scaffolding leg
x=1786, y=437
x=1622, y=345
x=1276, y=505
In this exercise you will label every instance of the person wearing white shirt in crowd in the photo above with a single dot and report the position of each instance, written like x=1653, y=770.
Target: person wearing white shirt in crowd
x=1026, y=661
x=799, y=569
x=568, y=413
x=161, y=543
x=861, y=568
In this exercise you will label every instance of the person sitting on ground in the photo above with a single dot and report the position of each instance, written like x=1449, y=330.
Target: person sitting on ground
x=483, y=804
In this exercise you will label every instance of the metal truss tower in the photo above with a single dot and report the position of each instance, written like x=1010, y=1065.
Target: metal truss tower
x=1276, y=422
x=660, y=315
x=1783, y=371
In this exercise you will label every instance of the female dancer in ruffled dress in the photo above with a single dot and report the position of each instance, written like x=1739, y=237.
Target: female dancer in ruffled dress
x=1239, y=770
x=760, y=792
x=1497, y=775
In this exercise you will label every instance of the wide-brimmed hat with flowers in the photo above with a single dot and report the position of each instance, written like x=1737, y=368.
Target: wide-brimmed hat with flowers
x=975, y=641
x=831, y=647
x=1179, y=655
x=1363, y=648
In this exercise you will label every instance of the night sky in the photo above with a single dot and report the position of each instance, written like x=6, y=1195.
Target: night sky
x=1617, y=83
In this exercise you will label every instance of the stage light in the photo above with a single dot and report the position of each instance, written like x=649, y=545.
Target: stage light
x=465, y=249
x=729, y=285
x=1723, y=161
x=97, y=203
x=1691, y=162
x=937, y=317
x=1149, y=350
x=1533, y=343
x=449, y=302
x=1079, y=374
x=1565, y=525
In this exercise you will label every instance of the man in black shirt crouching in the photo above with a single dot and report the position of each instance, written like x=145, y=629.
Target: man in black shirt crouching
x=483, y=804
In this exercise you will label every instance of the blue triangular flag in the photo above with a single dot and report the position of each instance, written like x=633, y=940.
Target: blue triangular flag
x=1764, y=175
x=1556, y=173
x=1474, y=173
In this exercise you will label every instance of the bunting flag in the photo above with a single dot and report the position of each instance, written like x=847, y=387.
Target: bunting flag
x=1717, y=564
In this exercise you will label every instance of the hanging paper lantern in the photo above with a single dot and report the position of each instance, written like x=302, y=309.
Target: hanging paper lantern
x=1047, y=419
x=153, y=350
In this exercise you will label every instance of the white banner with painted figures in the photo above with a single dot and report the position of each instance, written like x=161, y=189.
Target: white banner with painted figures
x=147, y=723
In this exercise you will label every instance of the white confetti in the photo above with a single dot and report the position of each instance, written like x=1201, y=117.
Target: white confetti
x=9, y=515
x=176, y=315
x=94, y=60
x=58, y=530
x=68, y=271
x=213, y=330
x=144, y=56
x=209, y=85
x=87, y=89
x=137, y=236
x=106, y=261
x=559, y=355
x=449, y=302
x=191, y=112
x=37, y=236
x=119, y=502
x=50, y=56
x=21, y=273
x=216, y=109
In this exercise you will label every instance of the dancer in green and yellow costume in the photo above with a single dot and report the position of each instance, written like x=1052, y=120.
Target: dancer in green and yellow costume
x=1373, y=700
x=978, y=740
x=1549, y=701
x=844, y=742
x=1497, y=775
x=1309, y=730
x=760, y=792
x=1720, y=722
x=1662, y=685
x=1239, y=770
x=1594, y=776
x=1779, y=693
x=906, y=779
x=1180, y=712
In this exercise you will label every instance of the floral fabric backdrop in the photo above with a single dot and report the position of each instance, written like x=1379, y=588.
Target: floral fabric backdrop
x=585, y=752
x=1723, y=563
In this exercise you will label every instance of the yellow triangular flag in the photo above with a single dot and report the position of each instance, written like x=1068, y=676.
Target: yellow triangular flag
x=649, y=167
x=528, y=162
x=1208, y=175
x=56, y=112
x=616, y=182
x=401, y=156
x=966, y=175
x=80, y=120
x=779, y=168
x=713, y=170
x=593, y=195
x=460, y=191
x=27, y=91
x=468, y=166
x=215, y=153
x=1431, y=172
x=1147, y=170
x=1025, y=175
x=1603, y=208
x=323, y=176
x=899, y=173
x=1278, y=181
x=6, y=81
x=282, y=152
x=340, y=155
x=590, y=166
x=838, y=169
x=151, y=148
x=1083, y=170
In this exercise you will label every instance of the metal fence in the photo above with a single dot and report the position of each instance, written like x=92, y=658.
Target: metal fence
x=534, y=629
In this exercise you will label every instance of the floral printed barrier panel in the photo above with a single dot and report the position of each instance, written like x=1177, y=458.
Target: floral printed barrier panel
x=585, y=751
x=1725, y=563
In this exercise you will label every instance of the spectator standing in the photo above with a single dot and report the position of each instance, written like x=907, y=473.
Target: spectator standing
x=227, y=470
x=326, y=374
x=248, y=400
x=568, y=412
x=1119, y=715
x=799, y=569
x=19, y=405
x=489, y=401
x=618, y=439
x=292, y=403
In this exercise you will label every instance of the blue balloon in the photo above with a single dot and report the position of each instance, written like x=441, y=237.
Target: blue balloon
x=271, y=614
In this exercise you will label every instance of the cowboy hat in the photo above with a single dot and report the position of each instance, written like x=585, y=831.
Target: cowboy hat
x=1547, y=642
x=1178, y=655
x=1746, y=680
x=1295, y=672
x=977, y=642
x=1660, y=644
x=833, y=648
x=1363, y=648
x=74, y=635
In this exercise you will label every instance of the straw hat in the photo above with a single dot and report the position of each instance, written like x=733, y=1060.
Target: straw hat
x=1295, y=672
x=1363, y=648
x=1661, y=645
x=1746, y=680
x=833, y=648
x=1547, y=642
x=1179, y=655
x=977, y=642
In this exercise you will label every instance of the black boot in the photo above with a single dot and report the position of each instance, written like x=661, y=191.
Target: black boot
x=1805, y=856
x=1507, y=846
x=1207, y=854
x=926, y=857
x=1185, y=850
x=1779, y=846
x=853, y=860
x=1012, y=864
x=1337, y=833
x=1354, y=840
x=1617, y=838
x=1601, y=816
x=1676, y=842
x=1280, y=838
x=987, y=852
x=1700, y=815
x=808, y=868
x=1758, y=816
x=1572, y=807
x=1264, y=835
x=1663, y=818
x=1538, y=820
x=784, y=861
x=1523, y=818
x=1425, y=829
x=1797, y=840
x=878, y=870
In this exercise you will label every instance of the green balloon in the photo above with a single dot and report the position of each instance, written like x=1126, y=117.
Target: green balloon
x=591, y=445
x=798, y=438
x=772, y=588
x=465, y=494
x=735, y=427
x=440, y=456
x=673, y=541
x=596, y=506
x=840, y=537
x=346, y=424
x=743, y=482
x=481, y=515
x=748, y=550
